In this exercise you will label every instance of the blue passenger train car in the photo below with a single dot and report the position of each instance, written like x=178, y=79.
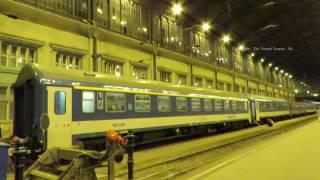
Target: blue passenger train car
x=63, y=108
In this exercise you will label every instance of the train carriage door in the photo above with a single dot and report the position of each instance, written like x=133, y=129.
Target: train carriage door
x=252, y=107
x=60, y=116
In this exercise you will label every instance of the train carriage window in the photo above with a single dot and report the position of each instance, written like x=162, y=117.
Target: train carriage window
x=262, y=106
x=226, y=105
x=218, y=105
x=59, y=103
x=207, y=104
x=142, y=103
x=195, y=104
x=245, y=104
x=164, y=104
x=181, y=104
x=241, y=106
x=115, y=102
x=100, y=100
x=234, y=105
x=88, y=101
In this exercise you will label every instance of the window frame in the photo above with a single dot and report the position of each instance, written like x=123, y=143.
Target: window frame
x=204, y=105
x=55, y=103
x=94, y=102
x=186, y=104
x=106, y=101
x=169, y=102
x=192, y=107
x=135, y=102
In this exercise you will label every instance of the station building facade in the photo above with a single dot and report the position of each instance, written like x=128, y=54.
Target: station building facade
x=126, y=39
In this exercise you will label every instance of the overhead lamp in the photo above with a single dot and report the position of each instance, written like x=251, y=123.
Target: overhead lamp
x=276, y=68
x=308, y=92
x=252, y=54
x=226, y=39
x=290, y=76
x=99, y=10
x=205, y=27
x=286, y=74
x=262, y=60
x=270, y=64
x=241, y=47
x=296, y=90
x=281, y=71
x=177, y=9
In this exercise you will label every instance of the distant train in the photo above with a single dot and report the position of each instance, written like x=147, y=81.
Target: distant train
x=60, y=108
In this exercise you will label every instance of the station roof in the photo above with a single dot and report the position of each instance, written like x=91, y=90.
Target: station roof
x=267, y=23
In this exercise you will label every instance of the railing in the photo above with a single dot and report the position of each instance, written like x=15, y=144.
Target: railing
x=77, y=9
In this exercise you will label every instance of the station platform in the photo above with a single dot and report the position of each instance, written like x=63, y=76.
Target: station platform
x=294, y=155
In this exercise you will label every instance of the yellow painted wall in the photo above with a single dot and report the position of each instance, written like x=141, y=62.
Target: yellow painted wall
x=253, y=85
x=172, y=64
x=224, y=77
x=124, y=53
x=202, y=72
x=241, y=82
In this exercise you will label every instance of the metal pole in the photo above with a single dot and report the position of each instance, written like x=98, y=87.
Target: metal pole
x=130, y=148
x=19, y=153
x=111, y=169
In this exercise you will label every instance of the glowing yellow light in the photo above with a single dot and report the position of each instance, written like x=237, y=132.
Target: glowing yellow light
x=262, y=60
x=276, y=68
x=241, y=47
x=177, y=9
x=205, y=26
x=226, y=39
x=296, y=90
x=252, y=54
x=99, y=10
x=281, y=71
x=286, y=74
x=290, y=76
x=123, y=23
x=114, y=17
x=270, y=64
x=144, y=29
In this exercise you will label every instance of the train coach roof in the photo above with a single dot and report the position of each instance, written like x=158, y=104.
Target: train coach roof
x=76, y=78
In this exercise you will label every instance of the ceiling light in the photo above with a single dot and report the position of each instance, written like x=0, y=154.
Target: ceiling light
x=262, y=60
x=205, y=26
x=176, y=9
x=252, y=54
x=270, y=64
x=276, y=68
x=241, y=47
x=281, y=71
x=226, y=39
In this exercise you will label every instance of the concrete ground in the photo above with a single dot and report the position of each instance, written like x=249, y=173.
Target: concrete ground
x=294, y=155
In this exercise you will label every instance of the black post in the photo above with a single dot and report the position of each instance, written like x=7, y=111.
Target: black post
x=130, y=148
x=19, y=154
x=111, y=168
